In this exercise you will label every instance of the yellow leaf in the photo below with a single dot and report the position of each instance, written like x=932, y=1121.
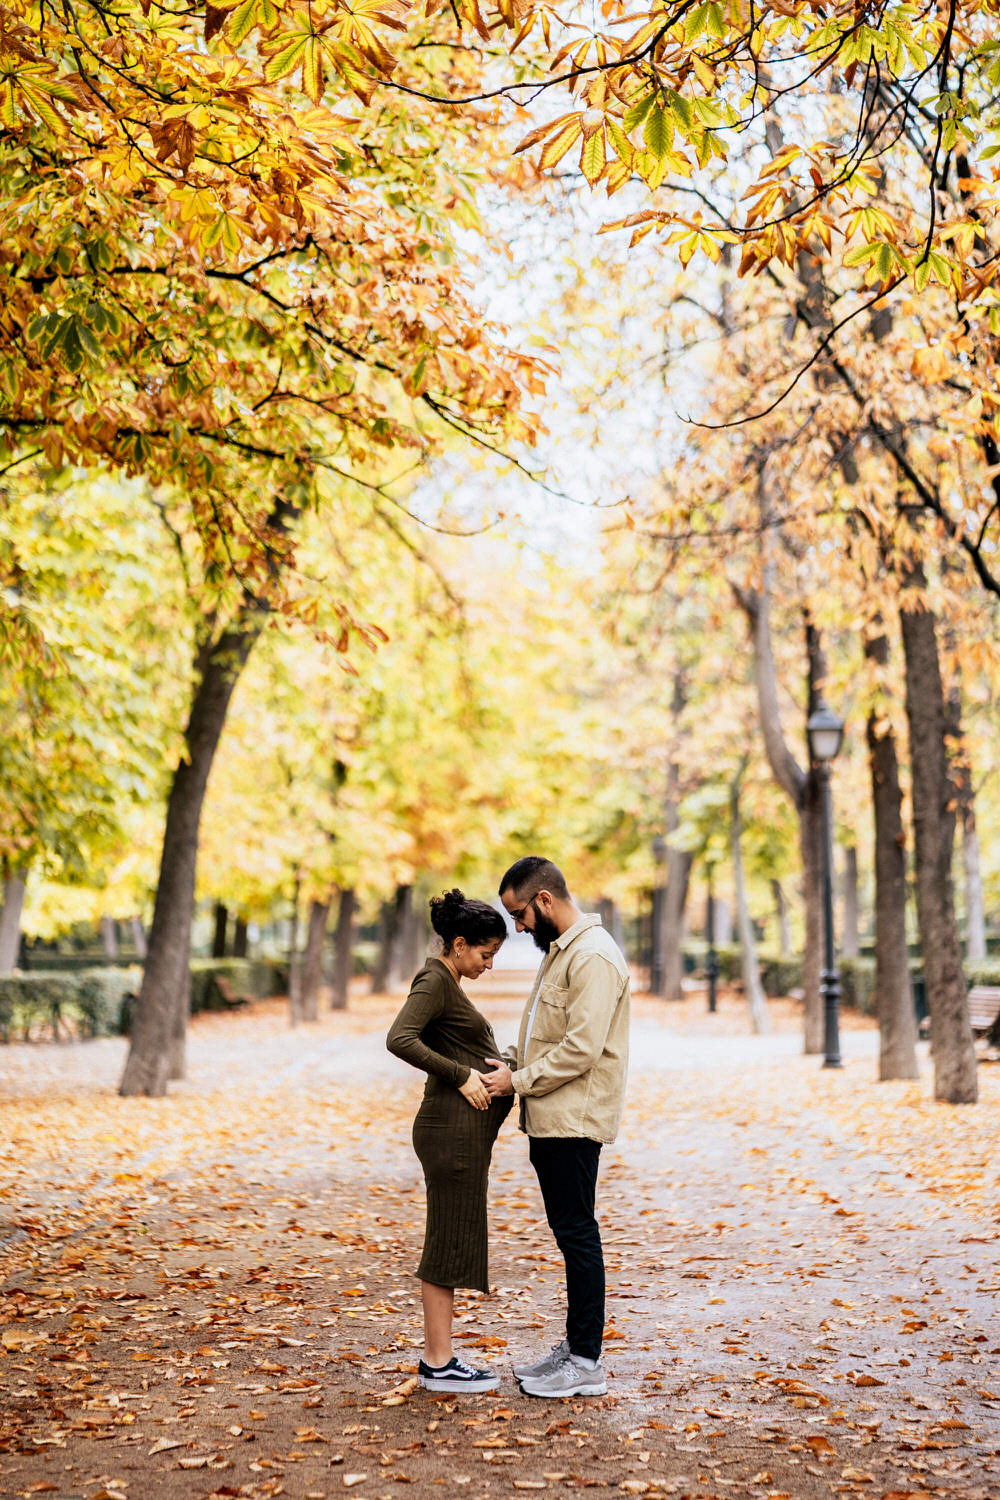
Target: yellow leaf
x=556, y=146
x=592, y=158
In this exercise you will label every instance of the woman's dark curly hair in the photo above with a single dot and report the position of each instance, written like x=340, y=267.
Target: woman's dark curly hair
x=452, y=916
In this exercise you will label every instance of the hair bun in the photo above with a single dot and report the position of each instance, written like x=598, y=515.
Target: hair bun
x=453, y=915
x=444, y=910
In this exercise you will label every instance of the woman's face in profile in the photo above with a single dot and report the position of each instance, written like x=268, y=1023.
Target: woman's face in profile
x=473, y=960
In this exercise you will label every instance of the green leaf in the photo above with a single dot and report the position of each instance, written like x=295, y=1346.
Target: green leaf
x=242, y=21
x=659, y=132
x=87, y=341
x=620, y=142
x=54, y=335
x=682, y=110
x=287, y=59
x=636, y=113
x=38, y=101
x=708, y=112
x=72, y=348
x=696, y=22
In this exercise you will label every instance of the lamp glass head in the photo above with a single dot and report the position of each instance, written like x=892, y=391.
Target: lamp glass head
x=826, y=733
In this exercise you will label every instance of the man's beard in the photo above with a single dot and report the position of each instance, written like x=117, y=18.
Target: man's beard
x=544, y=932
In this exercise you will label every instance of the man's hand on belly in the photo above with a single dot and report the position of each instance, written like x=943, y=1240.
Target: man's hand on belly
x=498, y=1082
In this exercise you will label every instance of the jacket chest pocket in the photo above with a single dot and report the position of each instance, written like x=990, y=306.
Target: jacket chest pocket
x=550, y=1014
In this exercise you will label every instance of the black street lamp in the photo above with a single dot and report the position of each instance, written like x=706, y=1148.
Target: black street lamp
x=826, y=733
x=656, y=920
x=712, y=960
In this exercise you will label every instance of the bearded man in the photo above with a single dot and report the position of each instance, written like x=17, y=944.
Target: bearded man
x=571, y=1063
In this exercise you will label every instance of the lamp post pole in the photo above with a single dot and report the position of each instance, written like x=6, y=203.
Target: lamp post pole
x=712, y=959
x=826, y=732
x=656, y=920
x=829, y=983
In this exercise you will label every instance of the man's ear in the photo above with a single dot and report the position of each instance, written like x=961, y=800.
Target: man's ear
x=545, y=899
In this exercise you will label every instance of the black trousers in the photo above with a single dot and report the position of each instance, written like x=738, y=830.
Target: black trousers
x=566, y=1167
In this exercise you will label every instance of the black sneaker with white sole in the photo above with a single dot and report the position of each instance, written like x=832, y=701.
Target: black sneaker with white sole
x=456, y=1375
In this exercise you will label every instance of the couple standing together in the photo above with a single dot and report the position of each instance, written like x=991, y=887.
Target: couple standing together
x=568, y=1075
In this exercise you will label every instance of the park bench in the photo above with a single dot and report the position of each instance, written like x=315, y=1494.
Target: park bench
x=984, y=1011
x=224, y=989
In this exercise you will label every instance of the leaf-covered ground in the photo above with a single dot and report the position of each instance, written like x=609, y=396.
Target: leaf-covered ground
x=212, y=1295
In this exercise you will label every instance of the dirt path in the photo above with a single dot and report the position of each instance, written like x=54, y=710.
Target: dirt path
x=213, y=1294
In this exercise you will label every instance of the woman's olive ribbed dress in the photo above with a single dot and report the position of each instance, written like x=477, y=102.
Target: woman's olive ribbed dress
x=441, y=1032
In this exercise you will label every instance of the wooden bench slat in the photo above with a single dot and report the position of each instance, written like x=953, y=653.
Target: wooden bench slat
x=228, y=994
x=984, y=1006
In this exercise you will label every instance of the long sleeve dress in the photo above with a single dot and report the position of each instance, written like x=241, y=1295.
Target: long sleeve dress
x=441, y=1032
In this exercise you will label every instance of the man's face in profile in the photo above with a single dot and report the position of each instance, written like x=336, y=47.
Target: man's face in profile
x=529, y=918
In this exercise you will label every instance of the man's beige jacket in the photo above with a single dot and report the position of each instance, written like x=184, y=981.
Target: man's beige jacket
x=572, y=1051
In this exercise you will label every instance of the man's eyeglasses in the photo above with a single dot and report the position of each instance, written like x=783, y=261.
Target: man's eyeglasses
x=518, y=916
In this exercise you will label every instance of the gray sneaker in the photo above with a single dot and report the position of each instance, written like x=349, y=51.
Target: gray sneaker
x=545, y=1365
x=569, y=1378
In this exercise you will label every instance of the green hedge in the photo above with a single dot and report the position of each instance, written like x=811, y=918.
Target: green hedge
x=41, y=962
x=364, y=956
x=90, y=1001
x=696, y=953
x=99, y=1002
x=983, y=971
x=250, y=978
x=857, y=984
x=780, y=976
x=857, y=978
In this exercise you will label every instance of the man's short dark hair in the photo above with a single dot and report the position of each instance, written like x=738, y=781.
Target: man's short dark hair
x=527, y=876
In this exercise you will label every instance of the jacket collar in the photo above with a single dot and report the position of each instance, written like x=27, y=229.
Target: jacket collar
x=592, y=919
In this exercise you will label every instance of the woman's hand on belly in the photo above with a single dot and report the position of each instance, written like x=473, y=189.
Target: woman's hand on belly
x=474, y=1090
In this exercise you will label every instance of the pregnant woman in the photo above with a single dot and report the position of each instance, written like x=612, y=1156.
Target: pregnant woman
x=440, y=1031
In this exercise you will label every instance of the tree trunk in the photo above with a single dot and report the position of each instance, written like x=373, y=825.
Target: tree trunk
x=749, y=967
x=400, y=970
x=165, y=992
x=781, y=914
x=656, y=903
x=416, y=939
x=240, y=938
x=294, y=964
x=109, y=937
x=138, y=936
x=177, y=1051
x=965, y=799
x=674, y=902
x=342, y=946
x=392, y=914
x=677, y=861
x=219, y=935
x=722, y=921
x=10, y=922
x=897, y=1024
x=312, y=965
x=849, y=934
x=975, y=917
x=800, y=786
x=934, y=829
